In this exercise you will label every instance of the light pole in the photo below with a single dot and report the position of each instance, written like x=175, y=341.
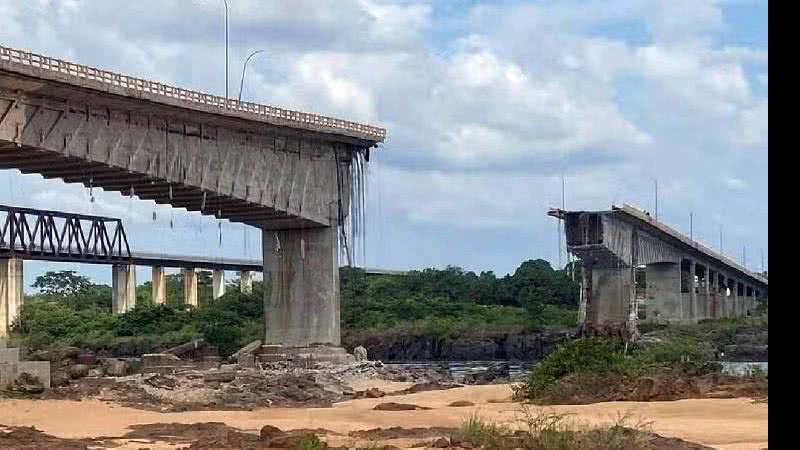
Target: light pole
x=226, y=50
x=244, y=68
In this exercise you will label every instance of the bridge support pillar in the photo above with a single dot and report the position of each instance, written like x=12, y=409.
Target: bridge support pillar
x=302, y=307
x=610, y=296
x=692, y=312
x=123, y=288
x=246, y=282
x=664, y=290
x=159, y=285
x=11, y=293
x=190, y=287
x=218, y=289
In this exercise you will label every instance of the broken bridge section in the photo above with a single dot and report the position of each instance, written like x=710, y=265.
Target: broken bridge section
x=636, y=268
x=286, y=172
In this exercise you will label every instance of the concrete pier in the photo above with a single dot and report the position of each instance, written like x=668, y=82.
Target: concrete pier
x=218, y=288
x=159, y=285
x=302, y=308
x=246, y=281
x=664, y=290
x=11, y=293
x=611, y=295
x=123, y=288
x=190, y=287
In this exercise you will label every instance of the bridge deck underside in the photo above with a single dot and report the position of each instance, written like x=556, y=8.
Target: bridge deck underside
x=70, y=169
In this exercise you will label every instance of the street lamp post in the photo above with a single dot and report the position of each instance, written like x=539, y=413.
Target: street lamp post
x=244, y=68
x=226, y=50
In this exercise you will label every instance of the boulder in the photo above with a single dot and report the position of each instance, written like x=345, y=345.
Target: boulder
x=461, y=404
x=391, y=406
x=115, y=367
x=220, y=376
x=494, y=373
x=87, y=357
x=76, y=371
x=59, y=378
x=442, y=442
x=360, y=353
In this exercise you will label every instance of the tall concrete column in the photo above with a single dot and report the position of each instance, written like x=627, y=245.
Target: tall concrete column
x=11, y=292
x=611, y=295
x=123, y=288
x=691, y=315
x=190, y=287
x=159, y=285
x=724, y=297
x=218, y=288
x=714, y=301
x=246, y=281
x=664, y=292
x=302, y=307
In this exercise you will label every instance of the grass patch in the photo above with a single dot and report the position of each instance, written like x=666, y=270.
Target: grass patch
x=537, y=429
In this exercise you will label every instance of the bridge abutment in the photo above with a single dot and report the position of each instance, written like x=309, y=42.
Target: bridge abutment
x=611, y=296
x=12, y=289
x=123, y=288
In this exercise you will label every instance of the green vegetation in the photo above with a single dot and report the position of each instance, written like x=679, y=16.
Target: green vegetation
x=69, y=310
x=600, y=363
x=540, y=430
x=454, y=302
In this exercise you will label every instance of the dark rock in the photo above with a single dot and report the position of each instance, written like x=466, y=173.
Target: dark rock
x=115, y=367
x=87, y=357
x=374, y=393
x=391, y=406
x=494, y=373
x=59, y=378
x=461, y=404
x=76, y=371
x=440, y=443
x=220, y=376
x=268, y=432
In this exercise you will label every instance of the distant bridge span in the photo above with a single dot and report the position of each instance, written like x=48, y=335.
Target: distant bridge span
x=683, y=281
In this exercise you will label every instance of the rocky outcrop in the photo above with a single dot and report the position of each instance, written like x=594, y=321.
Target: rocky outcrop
x=402, y=347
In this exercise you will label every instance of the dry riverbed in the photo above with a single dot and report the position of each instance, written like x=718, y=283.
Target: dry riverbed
x=733, y=424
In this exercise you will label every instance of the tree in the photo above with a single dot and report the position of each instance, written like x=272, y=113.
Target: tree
x=64, y=283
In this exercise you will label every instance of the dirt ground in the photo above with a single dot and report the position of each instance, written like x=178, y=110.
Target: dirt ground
x=730, y=424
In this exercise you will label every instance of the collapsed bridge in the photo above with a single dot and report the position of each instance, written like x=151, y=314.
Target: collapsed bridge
x=292, y=174
x=634, y=267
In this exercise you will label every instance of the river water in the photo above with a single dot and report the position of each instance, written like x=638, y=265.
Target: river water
x=458, y=369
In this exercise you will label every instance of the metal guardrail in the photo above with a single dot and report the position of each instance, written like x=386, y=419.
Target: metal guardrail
x=80, y=71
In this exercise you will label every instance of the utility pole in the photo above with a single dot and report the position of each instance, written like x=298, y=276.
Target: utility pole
x=691, y=227
x=226, y=51
x=656, y=182
x=744, y=257
x=720, y=239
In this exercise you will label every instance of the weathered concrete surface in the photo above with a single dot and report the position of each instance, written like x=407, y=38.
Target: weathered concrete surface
x=159, y=286
x=11, y=292
x=190, y=287
x=123, y=288
x=246, y=281
x=663, y=291
x=611, y=295
x=218, y=288
x=303, y=306
x=11, y=367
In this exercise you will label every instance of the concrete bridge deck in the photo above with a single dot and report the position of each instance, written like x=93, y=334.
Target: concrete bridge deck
x=682, y=280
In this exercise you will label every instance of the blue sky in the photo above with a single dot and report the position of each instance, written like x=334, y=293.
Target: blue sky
x=486, y=104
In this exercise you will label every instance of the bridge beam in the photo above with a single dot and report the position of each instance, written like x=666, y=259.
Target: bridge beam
x=123, y=288
x=11, y=293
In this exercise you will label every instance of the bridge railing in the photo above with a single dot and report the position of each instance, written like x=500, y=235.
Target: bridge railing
x=31, y=232
x=153, y=87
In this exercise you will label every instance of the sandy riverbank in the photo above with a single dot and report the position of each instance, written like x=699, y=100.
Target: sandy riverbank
x=730, y=424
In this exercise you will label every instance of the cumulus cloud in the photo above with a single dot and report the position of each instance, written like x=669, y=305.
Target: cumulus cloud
x=486, y=104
